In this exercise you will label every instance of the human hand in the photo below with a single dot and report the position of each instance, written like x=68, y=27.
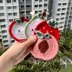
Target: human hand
x=15, y=54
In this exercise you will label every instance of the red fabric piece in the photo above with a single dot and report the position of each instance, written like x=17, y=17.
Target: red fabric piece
x=44, y=28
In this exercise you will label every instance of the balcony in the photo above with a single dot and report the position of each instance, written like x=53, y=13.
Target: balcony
x=4, y=34
x=28, y=8
x=3, y=28
x=46, y=1
x=5, y=39
x=7, y=43
x=3, y=23
x=2, y=17
x=12, y=39
x=28, y=2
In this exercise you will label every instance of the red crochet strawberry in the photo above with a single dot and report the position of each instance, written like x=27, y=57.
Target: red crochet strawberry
x=44, y=28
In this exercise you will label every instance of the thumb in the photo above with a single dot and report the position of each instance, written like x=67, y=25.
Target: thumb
x=30, y=41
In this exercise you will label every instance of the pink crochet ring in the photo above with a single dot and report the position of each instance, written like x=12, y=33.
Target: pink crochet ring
x=45, y=49
x=16, y=30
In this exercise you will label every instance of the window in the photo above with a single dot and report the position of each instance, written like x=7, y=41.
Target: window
x=36, y=5
x=8, y=1
x=63, y=8
x=1, y=7
x=61, y=22
x=1, y=14
x=67, y=13
x=4, y=31
x=70, y=13
x=15, y=14
x=2, y=26
x=12, y=41
x=57, y=19
x=64, y=3
x=6, y=45
x=10, y=20
x=14, y=0
x=62, y=13
x=65, y=26
x=58, y=9
x=2, y=20
x=40, y=5
x=21, y=1
x=36, y=11
x=45, y=5
x=71, y=8
x=0, y=35
x=58, y=14
x=36, y=0
x=40, y=11
x=69, y=25
x=5, y=41
x=5, y=36
x=14, y=7
x=40, y=0
x=0, y=40
x=22, y=6
x=69, y=21
x=61, y=27
x=62, y=18
x=27, y=11
x=59, y=4
x=70, y=17
x=28, y=6
x=45, y=9
x=9, y=7
x=1, y=1
x=9, y=14
x=22, y=13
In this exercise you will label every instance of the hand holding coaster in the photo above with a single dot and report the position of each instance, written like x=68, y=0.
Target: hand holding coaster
x=47, y=32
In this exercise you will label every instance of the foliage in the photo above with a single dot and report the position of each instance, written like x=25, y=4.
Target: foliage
x=65, y=43
x=68, y=68
x=2, y=51
x=40, y=66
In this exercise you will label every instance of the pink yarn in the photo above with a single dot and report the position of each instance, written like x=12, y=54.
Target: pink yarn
x=50, y=53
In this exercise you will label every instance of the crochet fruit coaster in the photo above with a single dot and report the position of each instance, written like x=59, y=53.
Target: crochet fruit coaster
x=44, y=28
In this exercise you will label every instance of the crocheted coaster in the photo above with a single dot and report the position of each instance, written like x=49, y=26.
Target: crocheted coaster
x=46, y=30
x=45, y=49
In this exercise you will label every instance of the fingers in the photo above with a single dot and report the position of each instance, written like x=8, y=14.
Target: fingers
x=21, y=52
x=18, y=48
x=30, y=41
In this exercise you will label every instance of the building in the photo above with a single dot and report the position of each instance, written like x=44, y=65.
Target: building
x=9, y=10
x=26, y=6
x=59, y=11
x=68, y=22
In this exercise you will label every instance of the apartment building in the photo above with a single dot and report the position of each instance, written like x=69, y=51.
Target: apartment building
x=9, y=10
x=59, y=11
x=26, y=6
x=68, y=22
